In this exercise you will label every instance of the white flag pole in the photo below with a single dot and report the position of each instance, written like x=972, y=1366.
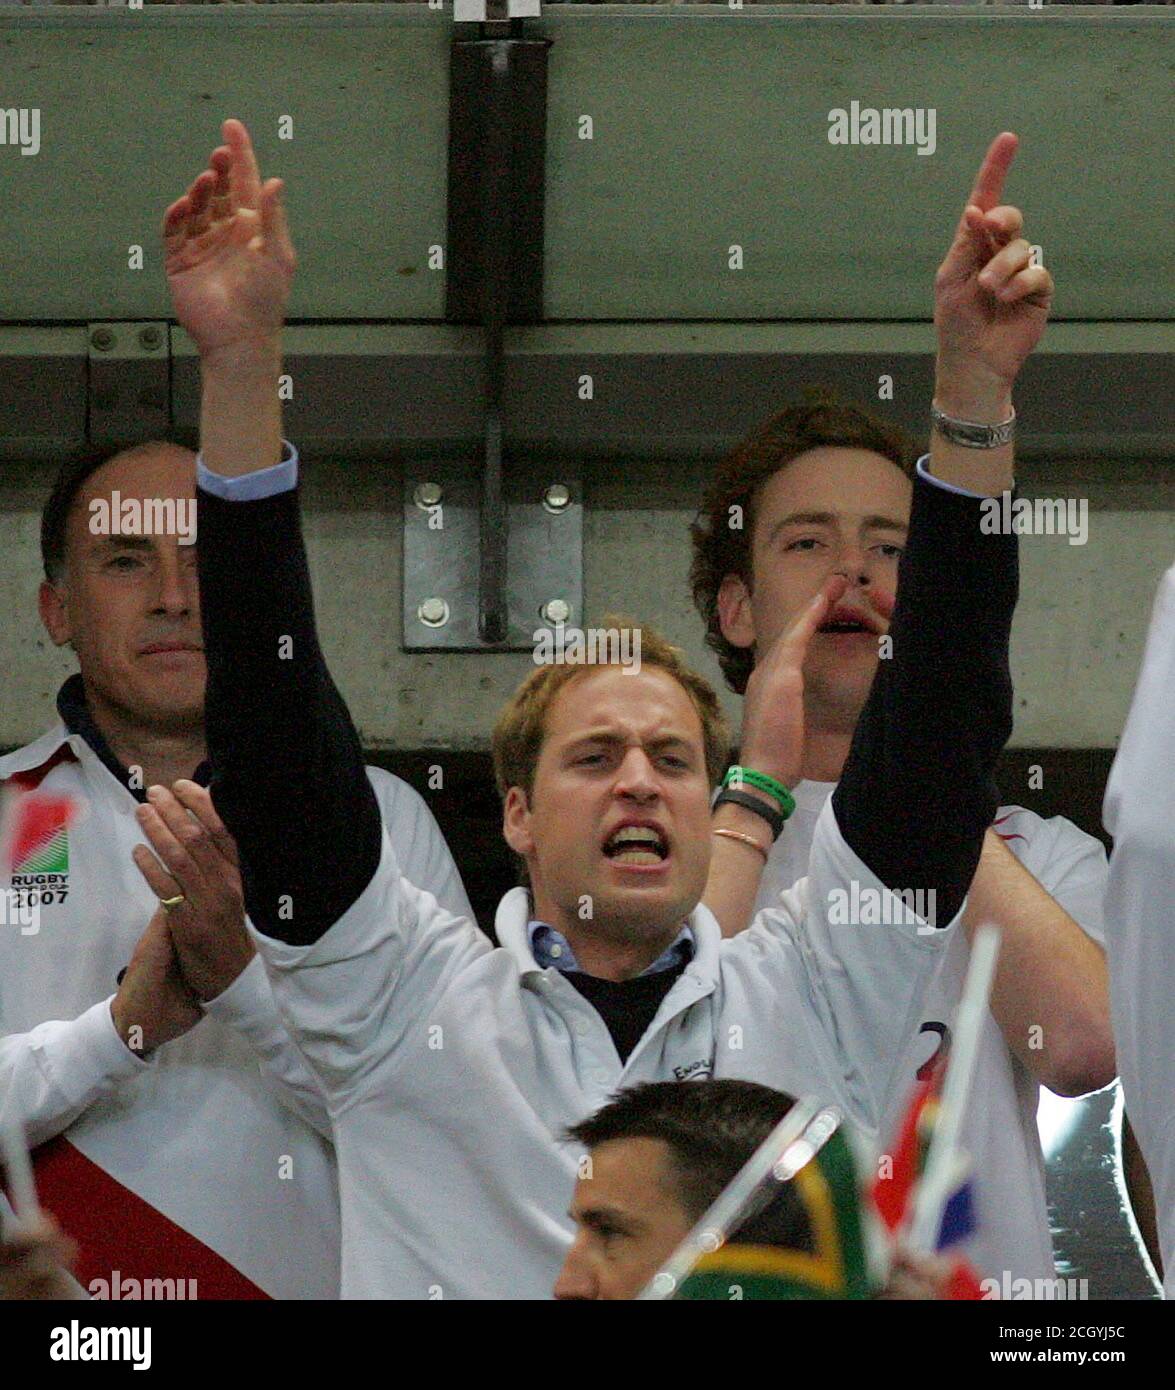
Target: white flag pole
x=943, y=1161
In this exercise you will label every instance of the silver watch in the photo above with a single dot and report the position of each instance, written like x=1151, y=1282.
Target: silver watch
x=971, y=435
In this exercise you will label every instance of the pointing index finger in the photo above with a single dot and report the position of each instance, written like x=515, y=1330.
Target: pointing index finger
x=989, y=182
x=817, y=611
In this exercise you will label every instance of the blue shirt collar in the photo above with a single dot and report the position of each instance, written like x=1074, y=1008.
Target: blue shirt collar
x=551, y=949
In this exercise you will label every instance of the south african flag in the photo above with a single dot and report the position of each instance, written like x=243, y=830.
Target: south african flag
x=792, y=1225
x=832, y=1262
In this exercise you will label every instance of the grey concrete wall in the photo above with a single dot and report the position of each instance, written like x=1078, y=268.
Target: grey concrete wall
x=1077, y=644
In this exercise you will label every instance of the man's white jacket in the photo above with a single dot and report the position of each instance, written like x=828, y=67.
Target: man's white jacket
x=210, y=1160
x=451, y=1068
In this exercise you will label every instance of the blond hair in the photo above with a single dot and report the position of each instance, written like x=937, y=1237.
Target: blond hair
x=521, y=726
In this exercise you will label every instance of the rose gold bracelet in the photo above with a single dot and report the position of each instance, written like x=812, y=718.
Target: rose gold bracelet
x=738, y=835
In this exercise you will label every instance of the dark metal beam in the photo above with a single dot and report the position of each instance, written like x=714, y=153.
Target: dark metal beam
x=497, y=135
x=660, y=391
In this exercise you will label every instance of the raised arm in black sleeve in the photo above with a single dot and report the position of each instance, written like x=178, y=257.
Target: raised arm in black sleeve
x=918, y=790
x=289, y=778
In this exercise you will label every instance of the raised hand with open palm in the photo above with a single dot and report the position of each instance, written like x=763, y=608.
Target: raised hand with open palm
x=228, y=254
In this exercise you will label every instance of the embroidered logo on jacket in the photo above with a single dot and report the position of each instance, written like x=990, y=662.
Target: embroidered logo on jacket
x=38, y=848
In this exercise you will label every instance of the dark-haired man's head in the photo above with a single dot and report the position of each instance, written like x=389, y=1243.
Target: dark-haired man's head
x=128, y=604
x=821, y=488
x=659, y=1156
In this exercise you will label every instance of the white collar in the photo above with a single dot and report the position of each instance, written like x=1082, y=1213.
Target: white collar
x=37, y=753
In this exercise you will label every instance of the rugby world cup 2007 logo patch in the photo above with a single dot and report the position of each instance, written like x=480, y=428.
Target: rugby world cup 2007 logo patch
x=38, y=848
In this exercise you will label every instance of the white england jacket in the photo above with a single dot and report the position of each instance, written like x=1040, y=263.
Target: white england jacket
x=203, y=1161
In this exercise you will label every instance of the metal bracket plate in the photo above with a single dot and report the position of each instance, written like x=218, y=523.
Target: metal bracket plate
x=128, y=384
x=544, y=561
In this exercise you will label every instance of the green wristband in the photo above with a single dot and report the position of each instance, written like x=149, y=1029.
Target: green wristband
x=737, y=776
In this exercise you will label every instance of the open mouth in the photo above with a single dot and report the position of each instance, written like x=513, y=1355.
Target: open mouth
x=847, y=621
x=637, y=845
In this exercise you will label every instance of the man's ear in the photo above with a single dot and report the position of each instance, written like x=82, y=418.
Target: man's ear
x=734, y=612
x=54, y=612
x=516, y=822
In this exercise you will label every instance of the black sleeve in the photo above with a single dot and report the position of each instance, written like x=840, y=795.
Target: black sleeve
x=918, y=790
x=288, y=772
